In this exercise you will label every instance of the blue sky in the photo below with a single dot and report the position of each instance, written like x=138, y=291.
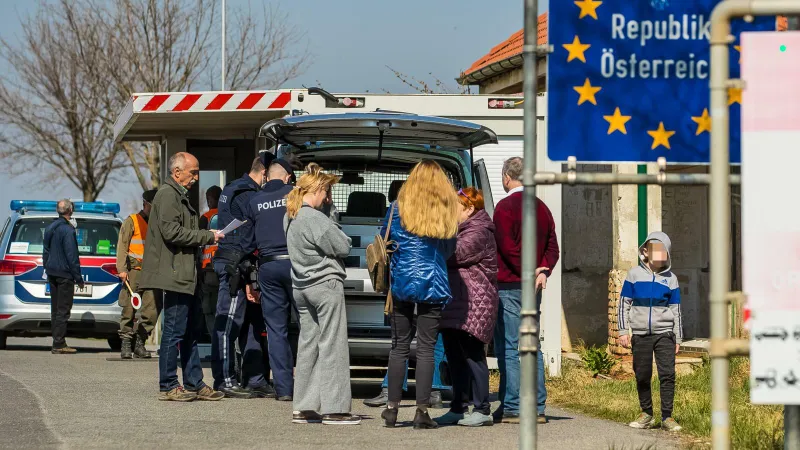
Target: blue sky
x=351, y=42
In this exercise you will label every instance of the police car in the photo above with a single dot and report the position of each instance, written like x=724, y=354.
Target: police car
x=24, y=291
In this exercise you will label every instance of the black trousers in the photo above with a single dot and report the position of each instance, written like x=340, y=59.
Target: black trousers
x=644, y=347
x=427, y=325
x=62, y=294
x=468, y=371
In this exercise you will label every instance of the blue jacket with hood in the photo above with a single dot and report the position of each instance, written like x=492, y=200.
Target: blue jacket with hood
x=650, y=303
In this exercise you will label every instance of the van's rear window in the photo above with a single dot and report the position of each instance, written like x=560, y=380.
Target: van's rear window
x=95, y=237
x=359, y=191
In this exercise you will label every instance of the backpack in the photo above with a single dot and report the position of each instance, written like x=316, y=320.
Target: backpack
x=378, y=254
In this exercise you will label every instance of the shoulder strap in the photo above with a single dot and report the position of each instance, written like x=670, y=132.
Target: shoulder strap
x=389, y=225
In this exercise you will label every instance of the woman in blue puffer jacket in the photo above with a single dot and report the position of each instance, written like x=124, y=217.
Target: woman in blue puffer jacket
x=424, y=226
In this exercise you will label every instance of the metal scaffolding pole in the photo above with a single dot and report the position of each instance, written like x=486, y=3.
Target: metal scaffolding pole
x=529, y=320
x=719, y=198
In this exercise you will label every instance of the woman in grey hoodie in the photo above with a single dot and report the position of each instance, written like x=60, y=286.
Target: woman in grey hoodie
x=317, y=248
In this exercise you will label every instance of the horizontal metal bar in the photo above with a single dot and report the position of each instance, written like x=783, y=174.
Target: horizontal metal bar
x=729, y=347
x=573, y=178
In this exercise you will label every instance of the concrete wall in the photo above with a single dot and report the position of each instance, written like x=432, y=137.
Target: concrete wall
x=586, y=253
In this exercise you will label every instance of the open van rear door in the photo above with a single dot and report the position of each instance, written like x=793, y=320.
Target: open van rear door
x=482, y=179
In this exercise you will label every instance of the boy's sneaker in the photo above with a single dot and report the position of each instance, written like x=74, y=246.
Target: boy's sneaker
x=670, y=424
x=209, y=395
x=643, y=422
x=341, y=419
x=306, y=417
x=177, y=394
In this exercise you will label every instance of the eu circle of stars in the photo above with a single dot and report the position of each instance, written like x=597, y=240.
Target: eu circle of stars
x=586, y=93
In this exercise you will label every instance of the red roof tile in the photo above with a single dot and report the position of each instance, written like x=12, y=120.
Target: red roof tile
x=510, y=47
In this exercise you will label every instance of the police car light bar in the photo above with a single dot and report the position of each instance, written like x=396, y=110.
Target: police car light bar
x=48, y=205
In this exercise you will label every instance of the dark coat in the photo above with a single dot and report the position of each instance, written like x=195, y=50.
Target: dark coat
x=173, y=241
x=472, y=271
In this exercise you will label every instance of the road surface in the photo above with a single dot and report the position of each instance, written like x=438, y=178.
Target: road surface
x=84, y=401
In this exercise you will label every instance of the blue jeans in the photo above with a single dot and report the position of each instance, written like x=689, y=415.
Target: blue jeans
x=506, y=348
x=438, y=357
x=183, y=319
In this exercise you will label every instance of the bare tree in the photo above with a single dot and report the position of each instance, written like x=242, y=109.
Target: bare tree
x=423, y=87
x=47, y=107
x=115, y=49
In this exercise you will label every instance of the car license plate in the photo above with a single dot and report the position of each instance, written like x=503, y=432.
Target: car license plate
x=85, y=292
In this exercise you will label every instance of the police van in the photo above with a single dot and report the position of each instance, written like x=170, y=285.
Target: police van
x=370, y=140
x=24, y=290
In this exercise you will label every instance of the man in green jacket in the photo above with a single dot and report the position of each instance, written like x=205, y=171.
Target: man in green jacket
x=170, y=264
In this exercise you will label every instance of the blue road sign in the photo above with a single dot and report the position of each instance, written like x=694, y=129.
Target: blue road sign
x=628, y=80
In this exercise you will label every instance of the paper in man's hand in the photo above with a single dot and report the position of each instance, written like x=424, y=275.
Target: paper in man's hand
x=235, y=223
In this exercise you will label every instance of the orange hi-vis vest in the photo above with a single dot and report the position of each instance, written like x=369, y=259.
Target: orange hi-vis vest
x=209, y=250
x=136, y=247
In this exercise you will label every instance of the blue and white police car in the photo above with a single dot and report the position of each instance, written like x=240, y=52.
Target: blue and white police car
x=24, y=291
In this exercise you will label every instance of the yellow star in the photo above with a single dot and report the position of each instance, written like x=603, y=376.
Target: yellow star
x=660, y=136
x=734, y=96
x=739, y=49
x=576, y=50
x=587, y=92
x=617, y=122
x=588, y=8
x=703, y=122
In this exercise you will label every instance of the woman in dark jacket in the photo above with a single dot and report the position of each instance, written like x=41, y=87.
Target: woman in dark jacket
x=468, y=321
x=423, y=225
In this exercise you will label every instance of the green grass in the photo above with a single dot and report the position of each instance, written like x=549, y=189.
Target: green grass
x=753, y=427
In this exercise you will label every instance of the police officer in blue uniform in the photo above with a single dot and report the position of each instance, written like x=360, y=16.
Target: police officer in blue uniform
x=231, y=304
x=266, y=210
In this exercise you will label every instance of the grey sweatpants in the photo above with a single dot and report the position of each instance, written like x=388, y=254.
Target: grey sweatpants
x=322, y=373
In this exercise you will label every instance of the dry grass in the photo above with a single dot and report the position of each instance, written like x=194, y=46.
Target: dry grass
x=753, y=427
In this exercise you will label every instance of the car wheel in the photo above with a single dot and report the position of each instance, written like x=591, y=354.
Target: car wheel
x=115, y=343
x=3, y=339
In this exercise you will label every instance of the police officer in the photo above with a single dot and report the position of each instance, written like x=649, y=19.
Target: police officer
x=252, y=339
x=266, y=210
x=231, y=303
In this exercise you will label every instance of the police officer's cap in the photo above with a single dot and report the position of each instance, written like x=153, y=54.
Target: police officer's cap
x=148, y=196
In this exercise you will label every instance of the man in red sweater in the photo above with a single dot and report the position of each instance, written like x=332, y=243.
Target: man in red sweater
x=508, y=234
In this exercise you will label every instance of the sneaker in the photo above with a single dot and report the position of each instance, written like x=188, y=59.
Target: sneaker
x=381, y=400
x=643, y=422
x=265, y=391
x=63, y=351
x=476, y=419
x=341, y=419
x=451, y=418
x=285, y=398
x=177, y=394
x=670, y=424
x=209, y=395
x=306, y=417
x=236, y=391
x=541, y=419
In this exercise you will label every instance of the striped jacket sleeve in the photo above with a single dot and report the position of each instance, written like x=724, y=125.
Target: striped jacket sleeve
x=675, y=308
x=624, y=307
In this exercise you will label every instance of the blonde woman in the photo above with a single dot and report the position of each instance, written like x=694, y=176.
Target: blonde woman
x=424, y=225
x=317, y=248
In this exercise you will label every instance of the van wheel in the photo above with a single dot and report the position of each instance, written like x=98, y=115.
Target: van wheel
x=115, y=343
x=3, y=339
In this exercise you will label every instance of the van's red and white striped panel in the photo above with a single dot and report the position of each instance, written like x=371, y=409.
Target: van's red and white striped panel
x=211, y=101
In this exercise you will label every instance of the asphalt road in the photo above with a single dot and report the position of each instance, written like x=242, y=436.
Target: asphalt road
x=84, y=401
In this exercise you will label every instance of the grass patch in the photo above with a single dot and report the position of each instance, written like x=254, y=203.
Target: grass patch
x=752, y=427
